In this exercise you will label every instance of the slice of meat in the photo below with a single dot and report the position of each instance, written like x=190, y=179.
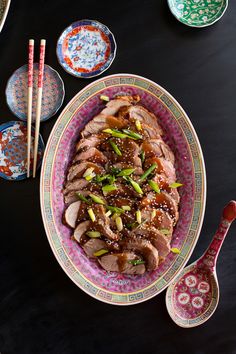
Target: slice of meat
x=143, y=115
x=161, y=220
x=159, y=241
x=77, y=170
x=164, y=201
x=165, y=167
x=130, y=152
x=157, y=147
x=90, y=188
x=119, y=262
x=146, y=249
x=93, y=246
x=113, y=106
x=81, y=229
x=71, y=213
x=91, y=155
x=149, y=132
x=75, y=185
x=163, y=184
x=90, y=141
x=102, y=223
x=101, y=122
x=125, y=165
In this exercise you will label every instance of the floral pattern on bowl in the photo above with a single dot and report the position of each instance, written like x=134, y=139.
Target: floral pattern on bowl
x=198, y=13
x=86, y=48
x=13, y=150
x=113, y=287
x=17, y=92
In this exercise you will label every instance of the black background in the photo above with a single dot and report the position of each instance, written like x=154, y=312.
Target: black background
x=41, y=310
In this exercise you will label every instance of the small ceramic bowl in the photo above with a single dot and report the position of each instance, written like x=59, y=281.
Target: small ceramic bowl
x=86, y=48
x=17, y=92
x=198, y=13
x=13, y=150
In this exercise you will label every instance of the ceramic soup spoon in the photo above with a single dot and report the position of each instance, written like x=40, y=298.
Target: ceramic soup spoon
x=194, y=295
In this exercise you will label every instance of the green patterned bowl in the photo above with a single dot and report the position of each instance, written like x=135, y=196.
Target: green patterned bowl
x=198, y=13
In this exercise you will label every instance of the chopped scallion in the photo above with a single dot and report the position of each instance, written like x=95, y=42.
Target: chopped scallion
x=138, y=124
x=96, y=199
x=154, y=186
x=165, y=231
x=126, y=172
x=91, y=214
x=134, y=184
x=115, y=148
x=108, y=188
x=114, y=209
x=119, y=223
x=175, y=250
x=104, y=98
x=147, y=173
x=126, y=207
x=115, y=133
x=175, y=185
x=82, y=198
x=138, y=216
x=93, y=234
x=136, y=262
x=88, y=172
x=100, y=252
x=132, y=134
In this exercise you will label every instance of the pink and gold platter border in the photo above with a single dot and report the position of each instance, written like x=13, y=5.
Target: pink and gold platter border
x=112, y=287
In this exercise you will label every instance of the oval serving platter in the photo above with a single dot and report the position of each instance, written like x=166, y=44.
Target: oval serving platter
x=111, y=287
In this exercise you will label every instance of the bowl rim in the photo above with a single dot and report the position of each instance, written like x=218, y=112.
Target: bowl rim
x=197, y=26
x=204, y=190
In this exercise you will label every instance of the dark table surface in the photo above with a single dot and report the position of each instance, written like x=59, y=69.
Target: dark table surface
x=41, y=310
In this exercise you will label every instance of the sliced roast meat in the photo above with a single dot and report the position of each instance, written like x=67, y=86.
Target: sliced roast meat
x=121, y=262
x=164, y=167
x=160, y=219
x=71, y=214
x=91, y=155
x=81, y=229
x=113, y=106
x=93, y=246
x=77, y=170
x=75, y=185
x=102, y=223
x=72, y=196
x=157, y=147
x=101, y=122
x=159, y=240
x=146, y=249
x=91, y=141
x=143, y=115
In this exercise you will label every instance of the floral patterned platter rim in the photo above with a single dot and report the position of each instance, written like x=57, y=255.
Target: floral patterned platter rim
x=17, y=92
x=198, y=13
x=111, y=287
x=4, y=8
x=13, y=150
x=95, y=43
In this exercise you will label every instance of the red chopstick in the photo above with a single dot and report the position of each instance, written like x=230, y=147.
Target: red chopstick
x=30, y=93
x=39, y=102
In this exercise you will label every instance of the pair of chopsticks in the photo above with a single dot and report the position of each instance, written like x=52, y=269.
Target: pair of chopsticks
x=39, y=101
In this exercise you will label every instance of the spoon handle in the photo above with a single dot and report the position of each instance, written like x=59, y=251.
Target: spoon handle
x=209, y=258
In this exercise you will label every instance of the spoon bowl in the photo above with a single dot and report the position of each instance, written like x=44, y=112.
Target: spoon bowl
x=198, y=13
x=194, y=295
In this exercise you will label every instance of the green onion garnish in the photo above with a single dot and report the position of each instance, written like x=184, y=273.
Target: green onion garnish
x=115, y=148
x=165, y=231
x=131, y=225
x=115, y=170
x=126, y=172
x=93, y=234
x=153, y=215
x=88, y=172
x=142, y=156
x=138, y=124
x=104, y=98
x=115, y=133
x=108, y=213
x=136, y=262
x=147, y=173
x=109, y=188
x=132, y=134
x=100, y=252
x=96, y=199
x=175, y=185
x=91, y=214
x=90, y=177
x=126, y=207
x=175, y=250
x=154, y=186
x=138, y=216
x=119, y=223
x=81, y=197
x=134, y=184
x=114, y=209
